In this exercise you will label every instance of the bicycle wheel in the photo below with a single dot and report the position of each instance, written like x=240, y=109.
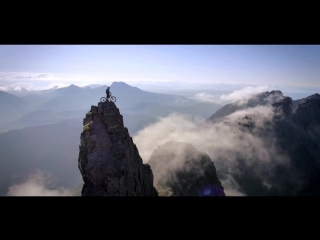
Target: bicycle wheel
x=103, y=99
x=113, y=99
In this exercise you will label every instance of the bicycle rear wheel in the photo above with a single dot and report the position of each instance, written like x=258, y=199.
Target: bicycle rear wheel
x=103, y=99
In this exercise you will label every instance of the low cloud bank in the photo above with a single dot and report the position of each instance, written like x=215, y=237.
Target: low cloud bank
x=205, y=97
x=244, y=93
x=38, y=184
x=225, y=142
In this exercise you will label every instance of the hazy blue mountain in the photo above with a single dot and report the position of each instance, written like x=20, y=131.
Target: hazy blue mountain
x=40, y=118
x=128, y=96
x=136, y=122
x=51, y=148
x=190, y=93
x=41, y=97
x=9, y=102
x=47, y=117
x=71, y=98
x=53, y=105
x=22, y=92
x=75, y=98
x=12, y=107
x=92, y=86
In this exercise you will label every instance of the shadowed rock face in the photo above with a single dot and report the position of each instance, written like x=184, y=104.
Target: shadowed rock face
x=295, y=132
x=295, y=103
x=109, y=161
x=181, y=170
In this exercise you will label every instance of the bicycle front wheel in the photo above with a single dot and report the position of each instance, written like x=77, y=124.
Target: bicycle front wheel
x=113, y=99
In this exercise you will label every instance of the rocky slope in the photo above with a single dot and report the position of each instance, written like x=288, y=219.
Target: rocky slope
x=295, y=103
x=109, y=161
x=181, y=170
x=293, y=133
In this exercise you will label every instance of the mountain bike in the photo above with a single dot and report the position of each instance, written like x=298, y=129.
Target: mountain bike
x=111, y=99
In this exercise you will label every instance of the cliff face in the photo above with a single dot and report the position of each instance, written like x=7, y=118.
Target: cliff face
x=181, y=170
x=294, y=133
x=109, y=161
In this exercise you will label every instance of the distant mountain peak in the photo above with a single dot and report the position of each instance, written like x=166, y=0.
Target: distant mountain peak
x=70, y=89
x=119, y=84
x=73, y=86
x=93, y=86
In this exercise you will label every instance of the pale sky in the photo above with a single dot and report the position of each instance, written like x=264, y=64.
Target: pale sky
x=287, y=65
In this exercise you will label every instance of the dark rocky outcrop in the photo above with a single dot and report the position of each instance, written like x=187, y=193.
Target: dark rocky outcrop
x=109, y=161
x=295, y=103
x=294, y=131
x=181, y=170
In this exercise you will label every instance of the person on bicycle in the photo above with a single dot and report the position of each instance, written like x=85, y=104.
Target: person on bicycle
x=108, y=93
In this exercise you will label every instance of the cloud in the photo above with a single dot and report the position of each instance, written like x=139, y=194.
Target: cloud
x=244, y=93
x=25, y=75
x=42, y=81
x=231, y=187
x=38, y=184
x=205, y=97
x=56, y=85
x=20, y=86
x=225, y=142
x=2, y=88
x=46, y=75
x=233, y=192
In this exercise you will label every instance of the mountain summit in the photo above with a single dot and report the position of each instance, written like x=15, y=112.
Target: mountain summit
x=109, y=161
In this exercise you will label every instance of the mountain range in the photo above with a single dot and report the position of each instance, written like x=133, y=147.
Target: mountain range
x=279, y=154
x=73, y=101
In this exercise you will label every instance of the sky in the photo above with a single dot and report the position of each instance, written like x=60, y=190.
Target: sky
x=45, y=66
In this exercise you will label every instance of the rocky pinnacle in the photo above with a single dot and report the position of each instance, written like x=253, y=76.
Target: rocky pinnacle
x=109, y=161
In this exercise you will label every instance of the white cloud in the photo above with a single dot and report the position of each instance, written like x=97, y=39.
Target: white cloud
x=42, y=81
x=244, y=93
x=231, y=187
x=25, y=75
x=233, y=192
x=224, y=142
x=205, y=97
x=38, y=184
x=20, y=86
x=57, y=85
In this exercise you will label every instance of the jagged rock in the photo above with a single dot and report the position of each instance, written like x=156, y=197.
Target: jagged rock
x=303, y=100
x=308, y=113
x=295, y=136
x=109, y=161
x=181, y=170
x=283, y=108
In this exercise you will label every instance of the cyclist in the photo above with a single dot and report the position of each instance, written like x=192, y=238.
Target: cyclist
x=108, y=93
